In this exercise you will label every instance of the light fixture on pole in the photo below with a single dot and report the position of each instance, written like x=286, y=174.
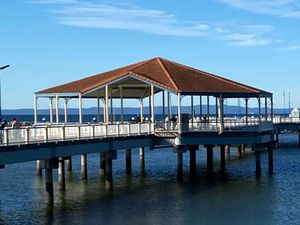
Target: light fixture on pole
x=1, y=68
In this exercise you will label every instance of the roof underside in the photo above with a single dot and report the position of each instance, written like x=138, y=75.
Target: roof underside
x=162, y=73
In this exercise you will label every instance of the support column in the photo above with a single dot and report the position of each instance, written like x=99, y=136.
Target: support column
x=163, y=106
x=193, y=162
x=109, y=177
x=299, y=138
x=222, y=157
x=227, y=149
x=106, y=105
x=266, y=108
x=122, y=104
x=98, y=107
x=51, y=110
x=141, y=110
x=221, y=113
x=152, y=108
x=61, y=174
x=180, y=167
x=247, y=113
x=83, y=160
x=169, y=110
x=57, y=108
x=200, y=107
x=270, y=160
x=272, y=108
x=192, y=109
x=257, y=163
x=142, y=161
x=102, y=163
x=38, y=172
x=210, y=155
x=66, y=110
x=69, y=164
x=49, y=185
x=80, y=107
x=240, y=150
x=259, y=109
x=277, y=138
x=111, y=106
x=128, y=162
x=208, y=110
x=179, y=112
x=35, y=110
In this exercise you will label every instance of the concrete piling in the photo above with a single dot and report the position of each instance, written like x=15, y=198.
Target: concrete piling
x=84, y=167
x=257, y=164
x=102, y=163
x=270, y=160
x=193, y=163
x=210, y=155
x=61, y=175
x=180, y=167
x=49, y=185
x=142, y=161
x=128, y=162
x=38, y=171
x=109, y=177
x=222, y=157
x=69, y=164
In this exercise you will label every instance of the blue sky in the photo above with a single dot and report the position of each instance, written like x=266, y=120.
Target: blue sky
x=49, y=42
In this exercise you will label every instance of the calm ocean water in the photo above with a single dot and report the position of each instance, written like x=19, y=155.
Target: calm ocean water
x=237, y=198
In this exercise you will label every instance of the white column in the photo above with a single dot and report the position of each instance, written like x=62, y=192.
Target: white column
x=272, y=108
x=66, y=109
x=80, y=107
x=111, y=106
x=106, y=104
x=200, y=106
x=169, y=106
x=163, y=105
x=35, y=109
x=141, y=110
x=121, y=98
x=208, y=110
x=247, y=114
x=221, y=113
x=57, y=108
x=98, y=107
x=179, y=112
x=192, y=109
x=51, y=110
x=259, y=108
x=152, y=108
x=266, y=108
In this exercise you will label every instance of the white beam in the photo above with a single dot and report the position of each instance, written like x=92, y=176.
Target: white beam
x=80, y=107
x=179, y=112
x=51, y=110
x=106, y=104
x=57, y=108
x=221, y=113
x=98, y=108
x=121, y=98
x=35, y=99
x=66, y=109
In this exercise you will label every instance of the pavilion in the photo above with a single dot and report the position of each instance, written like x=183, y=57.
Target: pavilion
x=147, y=79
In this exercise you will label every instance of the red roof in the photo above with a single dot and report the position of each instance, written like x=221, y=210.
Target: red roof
x=161, y=72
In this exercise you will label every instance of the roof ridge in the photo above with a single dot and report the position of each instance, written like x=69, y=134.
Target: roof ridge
x=167, y=73
x=217, y=77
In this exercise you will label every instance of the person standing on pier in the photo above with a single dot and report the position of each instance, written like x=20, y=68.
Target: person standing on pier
x=16, y=123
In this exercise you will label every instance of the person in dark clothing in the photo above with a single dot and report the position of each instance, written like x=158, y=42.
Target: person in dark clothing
x=3, y=124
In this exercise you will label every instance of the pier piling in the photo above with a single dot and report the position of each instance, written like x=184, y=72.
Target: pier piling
x=128, y=162
x=109, y=177
x=69, y=164
x=257, y=164
x=49, y=185
x=193, y=163
x=180, y=167
x=83, y=167
x=227, y=148
x=240, y=150
x=102, y=163
x=222, y=157
x=210, y=155
x=142, y=161
x=299, y=138
x=38, y=171
x=61, y=175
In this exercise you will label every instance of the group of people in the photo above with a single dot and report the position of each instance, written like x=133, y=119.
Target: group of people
x=15, y=123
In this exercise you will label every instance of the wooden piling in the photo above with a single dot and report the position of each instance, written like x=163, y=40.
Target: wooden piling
x=142, y=161
x=61, y=175
x=277, y=138
x=222, y=157
x=38, y=171
x=240, y=150
x=69, y=164
x=193, y=163
x=128, y=162
x=83, y=167
x=210, y=155
x=257, y=164
x=180, y=167
x=102, y=163
x=49, y=185
x=109, y=177
x=227, y=149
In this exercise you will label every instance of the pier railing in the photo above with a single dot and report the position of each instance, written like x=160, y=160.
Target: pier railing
x=280, y=119
x=65, y=132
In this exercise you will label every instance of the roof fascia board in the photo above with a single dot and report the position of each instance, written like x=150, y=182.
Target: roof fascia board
x=50, y=95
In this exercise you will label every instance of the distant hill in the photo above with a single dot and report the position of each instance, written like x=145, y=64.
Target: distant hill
x=134, y=110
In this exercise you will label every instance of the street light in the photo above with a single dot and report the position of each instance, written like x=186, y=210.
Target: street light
x=1, y=68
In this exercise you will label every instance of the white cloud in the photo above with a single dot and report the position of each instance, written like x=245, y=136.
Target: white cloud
x=101, y=15
x=280, y=8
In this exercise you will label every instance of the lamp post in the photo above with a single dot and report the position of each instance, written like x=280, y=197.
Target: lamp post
x=1, y=68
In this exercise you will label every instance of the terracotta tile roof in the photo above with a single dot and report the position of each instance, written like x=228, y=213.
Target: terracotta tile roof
x=162, y=72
